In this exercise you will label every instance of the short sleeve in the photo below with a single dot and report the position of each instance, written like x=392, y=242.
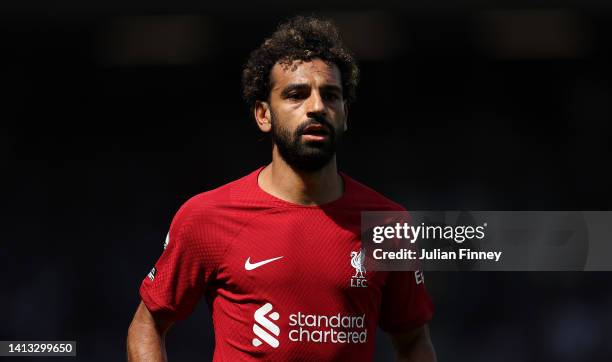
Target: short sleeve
x=406, y=305
x=177, y=282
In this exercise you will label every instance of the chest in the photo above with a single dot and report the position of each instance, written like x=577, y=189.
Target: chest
x=310, y=255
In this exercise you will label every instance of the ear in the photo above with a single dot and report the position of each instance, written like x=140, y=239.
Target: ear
x=261, y=111
x=345, y=115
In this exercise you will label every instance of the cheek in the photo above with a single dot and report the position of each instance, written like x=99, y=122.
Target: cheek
x=339, y=115
x=292, y=117
x=287, y=108
x=285, y=121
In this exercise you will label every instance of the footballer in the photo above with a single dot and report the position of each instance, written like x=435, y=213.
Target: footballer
x=277, y=253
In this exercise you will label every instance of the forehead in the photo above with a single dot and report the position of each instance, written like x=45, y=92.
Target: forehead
x=299, y=71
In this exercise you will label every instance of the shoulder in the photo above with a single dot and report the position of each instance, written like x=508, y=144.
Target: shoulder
x=367, y=198
x=225, y=204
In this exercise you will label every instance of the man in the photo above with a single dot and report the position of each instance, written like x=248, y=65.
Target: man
x=276, y=253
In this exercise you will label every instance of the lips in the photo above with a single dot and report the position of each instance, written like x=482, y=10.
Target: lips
x=315, y=130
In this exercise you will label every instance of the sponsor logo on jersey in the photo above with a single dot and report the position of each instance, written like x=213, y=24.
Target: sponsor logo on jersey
x=250, y=266
x=309, y=328
x=264, y=328
x=358, y=262
x=167, y=241
x=151, y=274
x=418, y=277
x=337, y=328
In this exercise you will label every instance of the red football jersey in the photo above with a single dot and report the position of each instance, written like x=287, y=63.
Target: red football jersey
x=283, y=281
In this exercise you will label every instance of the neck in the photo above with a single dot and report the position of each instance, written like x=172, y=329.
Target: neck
x=300, y=187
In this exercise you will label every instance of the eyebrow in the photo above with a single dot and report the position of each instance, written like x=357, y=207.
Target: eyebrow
x=301, y=86
x=333, y=88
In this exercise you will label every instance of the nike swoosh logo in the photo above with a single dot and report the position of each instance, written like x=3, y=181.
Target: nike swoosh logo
x=249, y=266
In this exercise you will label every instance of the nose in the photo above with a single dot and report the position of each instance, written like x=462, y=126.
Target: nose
x=315, y=104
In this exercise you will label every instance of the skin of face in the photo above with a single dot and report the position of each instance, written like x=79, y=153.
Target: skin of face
x=304, y=93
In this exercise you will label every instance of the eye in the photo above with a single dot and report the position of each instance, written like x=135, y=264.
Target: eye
x=296, y=95
x=331, y=96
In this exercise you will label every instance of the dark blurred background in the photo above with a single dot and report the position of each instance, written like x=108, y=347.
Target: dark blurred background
x=116, y=113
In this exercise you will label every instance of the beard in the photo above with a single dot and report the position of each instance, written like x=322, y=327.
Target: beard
x=308, y=156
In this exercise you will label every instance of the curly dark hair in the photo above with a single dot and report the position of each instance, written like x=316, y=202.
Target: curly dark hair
x=300, y=38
